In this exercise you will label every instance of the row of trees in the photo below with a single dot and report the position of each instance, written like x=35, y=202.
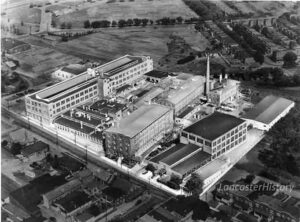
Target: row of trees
x=137, y=22
x=253, y=41
x=273, y=76
x=285, y=144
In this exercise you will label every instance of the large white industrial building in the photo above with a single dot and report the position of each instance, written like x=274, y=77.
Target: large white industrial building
x=268, y=111
x=46, y=104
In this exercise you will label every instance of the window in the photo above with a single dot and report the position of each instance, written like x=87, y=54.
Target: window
x=77, y=95
x=207, y=143
x=199, y=140
x=81, y=93
x=184, y=135
x=192, y=137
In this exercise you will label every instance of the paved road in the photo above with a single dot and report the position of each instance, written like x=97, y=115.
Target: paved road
x=66, y=146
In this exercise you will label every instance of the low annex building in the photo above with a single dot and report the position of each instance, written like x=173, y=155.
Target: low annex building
x=69, y=71
x=268, y=111
x=137, y=132
x=36, y=151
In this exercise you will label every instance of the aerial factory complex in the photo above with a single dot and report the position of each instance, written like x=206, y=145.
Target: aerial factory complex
x=124, y=109
x=150, y=111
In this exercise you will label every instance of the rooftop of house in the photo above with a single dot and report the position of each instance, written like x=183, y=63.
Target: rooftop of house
x=34, y=148
x=214, y=126
x=73, y=201
x=61, y=190
x=139, y=119
x=268, y=109
x=30, y=195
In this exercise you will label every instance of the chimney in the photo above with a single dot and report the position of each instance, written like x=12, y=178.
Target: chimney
x=226, y=76
x=207, y=76
x=220, y=78
x=81, y=125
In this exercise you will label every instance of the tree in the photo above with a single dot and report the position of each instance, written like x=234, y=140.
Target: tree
x=292, y=44
x=145, y=21
x=53, y=23
x=259, y=57
x=15, y=148
x=179, y=19
x=69, y=25
x=137, y=21
x=86, y=24
x=201, y=210
x=194, y=184
x=122, y=23
x=113, y=23
x=150, y=167
x=290, y=59
x=4, y=143
x=63, y=25
x=130, y=22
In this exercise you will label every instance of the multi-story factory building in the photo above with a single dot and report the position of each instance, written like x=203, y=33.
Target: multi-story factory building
x=182, y=90
x=140, y=130
x=45, y=105
x=216, y=134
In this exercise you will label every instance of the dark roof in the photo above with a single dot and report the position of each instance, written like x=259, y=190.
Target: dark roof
x=106, y=106
x=214, y=125
x=194, y=161
x=29, y=196
x=73, y=200
x=35, y=219
x=178, y=153
x=268, y=109
x=74, y=69
x=123, y=88
x=73, y=125
x=113, y=192
x=185, y=112
x=157, y=74
x=34, y=148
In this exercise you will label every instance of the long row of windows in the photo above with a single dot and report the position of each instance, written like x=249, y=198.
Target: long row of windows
x=197, y=139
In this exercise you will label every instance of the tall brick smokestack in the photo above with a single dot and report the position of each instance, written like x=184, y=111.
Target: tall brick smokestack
x=207, y=77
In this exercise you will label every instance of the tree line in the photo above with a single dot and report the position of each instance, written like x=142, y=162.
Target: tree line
x=137, y=22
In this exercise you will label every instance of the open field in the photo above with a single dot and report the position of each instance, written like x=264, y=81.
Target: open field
x=41, y=60
x=116, y=10
x=113, y=43
x=22, y=14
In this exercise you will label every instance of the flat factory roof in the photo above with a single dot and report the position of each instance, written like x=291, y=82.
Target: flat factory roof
x=75, y=69
x=191, y=162
x=175, y=153
x=189, y=86
x=268, y=109
x=139, y=120
x=108, y=69
x=214, y=125
x=157, y=74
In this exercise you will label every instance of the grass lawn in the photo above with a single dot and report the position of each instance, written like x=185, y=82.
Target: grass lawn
x=113, y=43
x=116, y=10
